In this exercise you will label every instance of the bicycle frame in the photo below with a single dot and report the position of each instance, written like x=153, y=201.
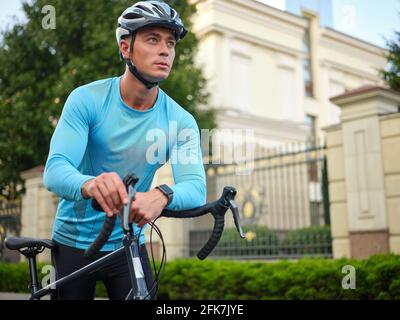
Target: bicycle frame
x=139, y=289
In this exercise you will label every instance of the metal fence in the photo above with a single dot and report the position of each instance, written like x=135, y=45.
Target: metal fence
x=284, y=204
x=10, y=223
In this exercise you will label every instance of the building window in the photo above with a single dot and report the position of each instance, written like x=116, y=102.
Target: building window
x=308, y=80
x=240, y=82
x=286, y=92
x=312, y=129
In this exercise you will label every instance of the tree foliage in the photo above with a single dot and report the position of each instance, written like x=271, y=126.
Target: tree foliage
x=392, y=72
x=40, y=67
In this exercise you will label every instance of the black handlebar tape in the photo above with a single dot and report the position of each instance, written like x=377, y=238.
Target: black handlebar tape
x=102, y=238
x=215, y=237
x=96, y=206
x=191, y=213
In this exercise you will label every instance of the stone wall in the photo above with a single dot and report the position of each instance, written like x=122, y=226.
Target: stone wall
x=364, y=181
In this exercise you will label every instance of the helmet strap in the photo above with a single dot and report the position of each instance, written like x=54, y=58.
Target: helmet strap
x=132, y=68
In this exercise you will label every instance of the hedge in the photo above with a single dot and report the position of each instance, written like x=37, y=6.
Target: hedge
x=376, y=278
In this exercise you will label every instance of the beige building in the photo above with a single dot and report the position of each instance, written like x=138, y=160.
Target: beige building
x=275, y=72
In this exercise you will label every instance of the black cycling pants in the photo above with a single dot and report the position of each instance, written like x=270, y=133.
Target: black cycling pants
x=115, y=275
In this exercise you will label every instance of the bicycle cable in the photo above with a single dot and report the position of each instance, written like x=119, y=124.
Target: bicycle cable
x=157, y=273
x=163, y=258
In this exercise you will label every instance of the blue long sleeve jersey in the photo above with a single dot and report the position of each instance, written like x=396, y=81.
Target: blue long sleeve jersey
x=96, y=133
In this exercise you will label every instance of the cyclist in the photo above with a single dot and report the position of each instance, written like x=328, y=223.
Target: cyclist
x=111, y=127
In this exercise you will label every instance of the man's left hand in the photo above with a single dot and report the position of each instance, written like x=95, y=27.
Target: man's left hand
x=147, y=206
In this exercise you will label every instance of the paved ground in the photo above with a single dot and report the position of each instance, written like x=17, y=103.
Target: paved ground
x=16, y=296
x=23, y=296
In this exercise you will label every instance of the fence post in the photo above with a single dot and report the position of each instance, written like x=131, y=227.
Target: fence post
x=337, y=192
x=361, y=224
x=325, y=192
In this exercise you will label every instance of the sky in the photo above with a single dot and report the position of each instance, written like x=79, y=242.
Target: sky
x=369, y=20
x=9, y=8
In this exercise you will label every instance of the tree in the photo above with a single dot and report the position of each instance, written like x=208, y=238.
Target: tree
x=392, y=72
x=40, y=67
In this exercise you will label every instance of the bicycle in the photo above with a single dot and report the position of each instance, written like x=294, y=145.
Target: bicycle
x=30, y=247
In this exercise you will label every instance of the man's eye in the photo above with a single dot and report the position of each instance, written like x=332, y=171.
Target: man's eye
x=153, y=40
x=171, y=44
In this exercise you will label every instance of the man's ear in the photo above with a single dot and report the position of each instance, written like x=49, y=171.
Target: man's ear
x=124, y=46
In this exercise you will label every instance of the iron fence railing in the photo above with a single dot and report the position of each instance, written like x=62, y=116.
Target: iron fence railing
x=283, y=201
x=10, y=222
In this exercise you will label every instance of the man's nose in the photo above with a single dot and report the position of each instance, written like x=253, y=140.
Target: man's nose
x=164, y=50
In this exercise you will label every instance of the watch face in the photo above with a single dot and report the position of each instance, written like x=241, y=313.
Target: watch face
x=166, y=189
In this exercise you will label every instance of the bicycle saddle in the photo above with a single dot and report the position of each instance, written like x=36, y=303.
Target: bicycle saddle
x=16, y=243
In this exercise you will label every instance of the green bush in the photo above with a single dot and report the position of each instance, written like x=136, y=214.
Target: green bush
x=376, y=278
x=14, y=277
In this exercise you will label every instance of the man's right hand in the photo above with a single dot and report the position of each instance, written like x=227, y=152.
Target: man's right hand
x=109, y=191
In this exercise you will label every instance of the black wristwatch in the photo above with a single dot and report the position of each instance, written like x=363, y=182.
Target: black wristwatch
x=167, y=191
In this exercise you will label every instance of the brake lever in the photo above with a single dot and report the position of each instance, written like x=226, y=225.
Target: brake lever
x=236, y=217
x=126, y=209
x=130, y=181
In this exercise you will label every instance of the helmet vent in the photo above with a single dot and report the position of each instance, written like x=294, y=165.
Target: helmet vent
x=145, y=9
x=132, y=15
x=159, y=10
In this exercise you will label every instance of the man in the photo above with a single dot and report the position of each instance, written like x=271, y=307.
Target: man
x=109, y=128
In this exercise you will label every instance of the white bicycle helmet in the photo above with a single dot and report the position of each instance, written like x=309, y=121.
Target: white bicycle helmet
x=146, y=14
x=149, y=13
